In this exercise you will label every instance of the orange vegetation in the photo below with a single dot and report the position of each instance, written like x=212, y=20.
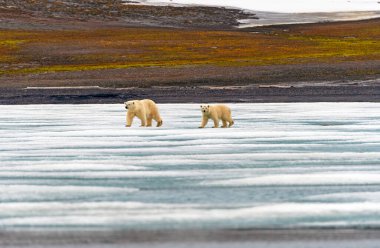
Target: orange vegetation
x=49, y=51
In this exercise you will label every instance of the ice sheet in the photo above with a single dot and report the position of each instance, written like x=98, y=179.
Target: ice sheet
x=287, y=6
x=280, y=165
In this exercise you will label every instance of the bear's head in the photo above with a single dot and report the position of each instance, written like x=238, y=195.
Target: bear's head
x=205, y=108
x=129, y=104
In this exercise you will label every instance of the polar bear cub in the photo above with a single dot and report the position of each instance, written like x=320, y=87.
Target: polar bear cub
x=146, y=110
x=216, y=113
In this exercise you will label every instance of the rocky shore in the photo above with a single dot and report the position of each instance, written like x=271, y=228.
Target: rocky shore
x=247, y=94
x=107, y=51
x=70, y=14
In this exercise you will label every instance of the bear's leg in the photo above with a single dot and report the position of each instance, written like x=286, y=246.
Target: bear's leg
x=231, y=121
x=224, y=123
x=143, y=121
x=216, y=122
x=158, y=119
x=149, y=124
x=129, y=119
x=204, y=121
x=142, y=118
x=159, y=122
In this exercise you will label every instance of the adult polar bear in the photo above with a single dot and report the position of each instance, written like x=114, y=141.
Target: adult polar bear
x=216, y=113
x=146, y=110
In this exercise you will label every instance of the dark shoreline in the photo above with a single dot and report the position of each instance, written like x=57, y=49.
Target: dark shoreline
x=340, y=82
x=239, y=94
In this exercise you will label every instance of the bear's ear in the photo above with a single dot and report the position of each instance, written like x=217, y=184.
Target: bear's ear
x=208, y=105
x=133, y=103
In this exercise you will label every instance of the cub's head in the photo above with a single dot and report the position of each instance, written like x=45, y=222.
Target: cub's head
x=129, y=104
x=205, y=108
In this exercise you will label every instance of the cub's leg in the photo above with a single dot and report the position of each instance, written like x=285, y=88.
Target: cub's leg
x=158, y=120
x=216, y=121
x=143, y=121
x=142, y=117
x=204, y=121
x=224, y=123
x=149, y=121
x=130, y=117
x=231, y=122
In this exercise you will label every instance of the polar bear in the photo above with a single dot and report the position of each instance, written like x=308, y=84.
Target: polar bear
x=146, y=110
x=216, y=112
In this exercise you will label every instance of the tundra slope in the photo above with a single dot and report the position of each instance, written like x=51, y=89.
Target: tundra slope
x=46, y=45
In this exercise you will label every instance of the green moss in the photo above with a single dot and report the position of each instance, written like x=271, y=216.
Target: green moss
x=12, y=44
x=56, y=51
